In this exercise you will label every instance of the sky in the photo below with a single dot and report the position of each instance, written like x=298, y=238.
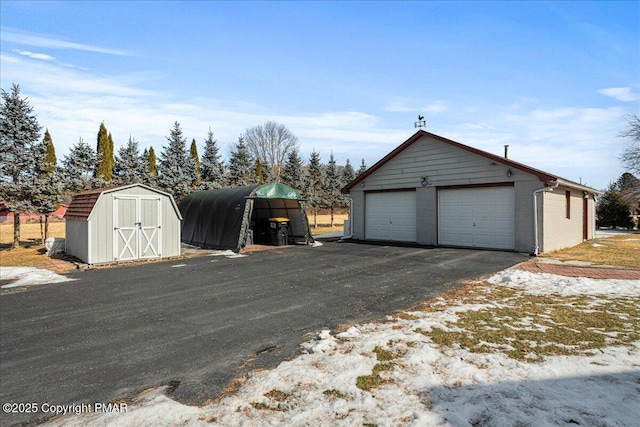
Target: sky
x=553, y=80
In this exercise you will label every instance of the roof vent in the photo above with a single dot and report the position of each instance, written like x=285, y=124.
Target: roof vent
x=506, y=151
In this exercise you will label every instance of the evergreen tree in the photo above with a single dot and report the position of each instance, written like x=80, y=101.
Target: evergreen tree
x=348, y=173
x=79, y=167
x=240, y=165
x=314, y=185
x=129, y=167
x=211, y=167
x=49, y=186
x=176, y=171
x=612, y=210
x=152, y=164
x=50, y=158
x=19, y=135
x=332, y=186
x=196, y=160
x=259, y=177
x=362, y=169
x=293, y=172
x=104, y=155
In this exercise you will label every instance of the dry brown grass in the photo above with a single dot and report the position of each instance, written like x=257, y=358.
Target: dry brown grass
x=324, y=223
x=620, y=251
x=31, y=252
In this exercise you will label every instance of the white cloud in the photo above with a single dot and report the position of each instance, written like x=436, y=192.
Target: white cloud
x=575, y=143
x=620, y=93
x=433, y=108
x=52, y=42
x=33, y=55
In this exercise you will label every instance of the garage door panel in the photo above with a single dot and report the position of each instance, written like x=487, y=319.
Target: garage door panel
x=391, y=216
x=476, y=217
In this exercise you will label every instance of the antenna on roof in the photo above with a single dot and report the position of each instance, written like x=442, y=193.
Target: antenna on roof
x=421, y=123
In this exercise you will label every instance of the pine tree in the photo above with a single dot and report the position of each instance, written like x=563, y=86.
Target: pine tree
x=49, y=195
x=211, y=167
x=79, y=167
x=176, y=171
x=196, y=160
x=313, y=191
x=362, y=169
x=129, y=167
x=293, y=173
x=240, y=165
x=19, y=135
x=612, y=210
x=348, y=174
x=104, y=155
x=332, y=186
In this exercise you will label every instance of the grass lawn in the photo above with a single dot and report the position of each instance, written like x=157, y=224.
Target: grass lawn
x=620, y=251
x=31, y=252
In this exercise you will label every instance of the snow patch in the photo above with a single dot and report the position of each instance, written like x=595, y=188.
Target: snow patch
x=424, y=385
x=544, y=284
x=29, y=276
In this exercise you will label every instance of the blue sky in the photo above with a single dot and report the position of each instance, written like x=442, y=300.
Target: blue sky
x=554, y=80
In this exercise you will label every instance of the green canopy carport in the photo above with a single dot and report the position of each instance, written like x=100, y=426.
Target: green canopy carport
x=228, y=218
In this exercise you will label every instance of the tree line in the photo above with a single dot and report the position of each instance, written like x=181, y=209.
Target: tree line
x=34, y=181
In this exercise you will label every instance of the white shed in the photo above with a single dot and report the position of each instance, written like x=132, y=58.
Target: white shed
x=125, y=223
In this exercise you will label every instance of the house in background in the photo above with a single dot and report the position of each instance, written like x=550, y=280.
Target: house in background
x=431, y=190
x=126, y=223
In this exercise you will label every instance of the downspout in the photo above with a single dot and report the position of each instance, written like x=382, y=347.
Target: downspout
x=536, y=248
x=350, y=220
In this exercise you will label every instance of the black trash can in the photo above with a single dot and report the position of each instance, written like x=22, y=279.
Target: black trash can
x=279, y=228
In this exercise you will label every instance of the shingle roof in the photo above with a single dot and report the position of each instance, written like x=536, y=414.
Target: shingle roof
x=82, y=204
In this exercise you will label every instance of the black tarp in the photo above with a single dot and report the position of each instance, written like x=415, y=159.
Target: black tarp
x=224, y=218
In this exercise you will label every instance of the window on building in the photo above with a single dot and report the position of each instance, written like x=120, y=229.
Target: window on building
x=567, y=196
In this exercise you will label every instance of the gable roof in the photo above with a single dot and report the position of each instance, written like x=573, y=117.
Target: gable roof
x=82, y=203
x=543, y=176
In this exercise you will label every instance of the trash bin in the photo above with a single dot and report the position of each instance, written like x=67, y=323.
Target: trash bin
x=279, y=228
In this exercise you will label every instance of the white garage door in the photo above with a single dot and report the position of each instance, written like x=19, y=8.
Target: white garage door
x=391, y=216
x=476, y=217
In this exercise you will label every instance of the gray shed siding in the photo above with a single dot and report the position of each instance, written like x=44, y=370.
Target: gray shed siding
x=445, y=165
x=75, y=242
x=96, y=242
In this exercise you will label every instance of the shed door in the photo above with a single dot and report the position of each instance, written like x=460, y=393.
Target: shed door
x=391, y=216
x=137, y=227
x=477, y=217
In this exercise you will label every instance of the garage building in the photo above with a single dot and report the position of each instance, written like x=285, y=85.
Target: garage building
x=125, y=223
x=431, y=190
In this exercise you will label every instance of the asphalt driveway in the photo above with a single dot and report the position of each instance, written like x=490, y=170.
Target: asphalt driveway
x=200, y=322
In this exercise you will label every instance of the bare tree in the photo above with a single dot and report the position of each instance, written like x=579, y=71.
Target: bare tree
x=271, y=143
x=631, y=155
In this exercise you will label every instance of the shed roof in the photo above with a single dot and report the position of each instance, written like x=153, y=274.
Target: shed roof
x=543, y=176
x=82, y=203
